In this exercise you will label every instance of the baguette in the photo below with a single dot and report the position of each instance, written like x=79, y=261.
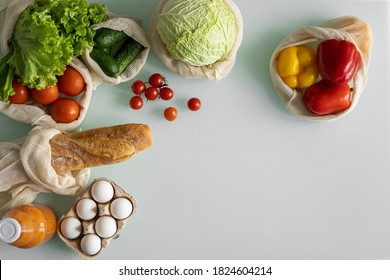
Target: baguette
x=100, y=146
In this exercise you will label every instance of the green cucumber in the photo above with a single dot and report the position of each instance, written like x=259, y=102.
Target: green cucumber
x=106, y=62
x=106, y=37
x=127, y=53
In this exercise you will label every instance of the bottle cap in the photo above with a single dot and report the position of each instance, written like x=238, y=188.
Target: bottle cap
x=10, y=230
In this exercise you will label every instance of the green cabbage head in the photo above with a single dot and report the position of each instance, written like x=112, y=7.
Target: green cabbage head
x=197, y=32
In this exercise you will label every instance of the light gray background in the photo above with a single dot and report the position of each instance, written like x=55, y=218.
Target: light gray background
x=243, y=178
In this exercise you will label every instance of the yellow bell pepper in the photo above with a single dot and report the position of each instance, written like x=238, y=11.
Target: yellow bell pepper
x=297, y=66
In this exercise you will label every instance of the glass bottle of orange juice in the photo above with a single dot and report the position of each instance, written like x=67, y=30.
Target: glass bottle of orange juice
x=27, y=226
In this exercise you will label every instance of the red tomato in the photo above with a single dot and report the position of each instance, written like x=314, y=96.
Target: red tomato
x=151, y=93
x=156, y=80
x=65, y=110
x=324, y=97
x=166, y=93
x=170, y=113
x=136, y=102
x=194, y=104
x=138, y=87
x=71, y=83
x=22, y=94
x=45, y=96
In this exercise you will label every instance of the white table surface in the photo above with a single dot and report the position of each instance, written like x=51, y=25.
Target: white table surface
x=243, y=178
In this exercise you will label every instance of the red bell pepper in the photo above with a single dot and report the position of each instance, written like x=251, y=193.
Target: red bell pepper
x=338, y=60
x=325, y=97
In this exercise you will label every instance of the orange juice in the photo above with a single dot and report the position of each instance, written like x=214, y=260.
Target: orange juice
x=27, y=226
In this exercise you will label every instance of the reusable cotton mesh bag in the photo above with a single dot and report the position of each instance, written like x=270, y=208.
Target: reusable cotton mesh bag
x=9, y=13
x=132, y=29
x=25, y=170
x=31, y=112
x=348, y=28
x=35, y=114
x=215, y=71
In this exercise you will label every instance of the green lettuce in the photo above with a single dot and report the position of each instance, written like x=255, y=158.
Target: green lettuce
x=6, y=76
x=74, y=18
x=39, y=51
x=47, y=35
x=198, y=32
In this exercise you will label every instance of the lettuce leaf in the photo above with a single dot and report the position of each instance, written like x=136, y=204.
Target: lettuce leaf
x=74, y=18
x=6, y=76
x=40, y=52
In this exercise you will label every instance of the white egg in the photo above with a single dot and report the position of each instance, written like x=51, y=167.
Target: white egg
x=71, y=227
x=86, y=209
x=105, y=226
x=91, y=244
x=102, y=191
x=121, y=208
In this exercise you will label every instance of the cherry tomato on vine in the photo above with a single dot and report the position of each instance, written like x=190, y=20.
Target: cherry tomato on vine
x=156, y=80
x=138, y=87
x=170, y=113
x=65, y=110
x=194, y=104
x=151, y=93
x=21, y=95
x=136, y=102
x=166, y=93
x=45, y=96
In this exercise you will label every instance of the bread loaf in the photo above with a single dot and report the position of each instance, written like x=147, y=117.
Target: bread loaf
x=101, y=146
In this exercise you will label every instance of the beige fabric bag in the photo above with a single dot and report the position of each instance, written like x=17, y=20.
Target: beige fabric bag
x=35, y=114
x=9, y=13
x=31, y=112
x=216, y=71
x=25, y=170
x=344, y=28
x=132, y=28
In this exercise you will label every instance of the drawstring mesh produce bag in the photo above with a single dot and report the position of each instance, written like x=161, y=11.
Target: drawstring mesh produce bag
x=35, y=114
x=214, y=71
x=347, y=28
x=31, y=112
x=26, y=170
x=132, y=29
x=9, y=13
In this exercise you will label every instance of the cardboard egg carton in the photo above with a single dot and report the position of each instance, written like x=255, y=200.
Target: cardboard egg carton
x=88, y=227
